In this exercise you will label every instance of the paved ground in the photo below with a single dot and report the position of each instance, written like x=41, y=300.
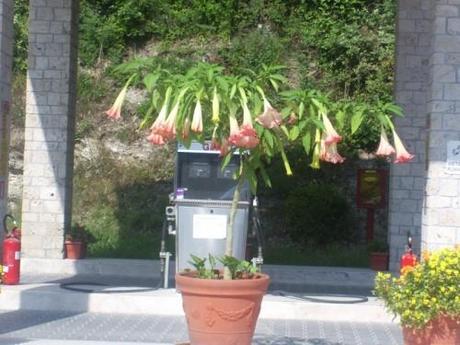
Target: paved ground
x=53, y=328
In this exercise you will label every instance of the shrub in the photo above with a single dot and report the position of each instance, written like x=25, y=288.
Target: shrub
x=318, y=214
x=424, y=292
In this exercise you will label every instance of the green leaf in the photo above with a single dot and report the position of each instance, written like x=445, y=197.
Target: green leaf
x=306, y=142
x=294, y=133
x=150, y=81
x=269, y=139
x=356, y=121
x=265, y=177
x=301, y=110
x=285, y=130
x=340, y=117
x=394, y=109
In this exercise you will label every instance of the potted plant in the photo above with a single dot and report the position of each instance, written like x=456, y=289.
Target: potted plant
x=75, y=242
x=236, y=113
x=426, y=298
x=378, y=255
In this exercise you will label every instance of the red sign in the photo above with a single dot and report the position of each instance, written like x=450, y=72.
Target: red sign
x=372, y=188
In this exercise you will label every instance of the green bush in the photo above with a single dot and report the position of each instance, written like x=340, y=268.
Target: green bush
x=253, y=49
x=318, y=214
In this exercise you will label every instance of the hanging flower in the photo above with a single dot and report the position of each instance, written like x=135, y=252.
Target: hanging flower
x=168, y=131
x=248, y=136
x=186, y=128
x=197, y=121
x=385, y=148
x=328, y=152
x=155, y=139
x=114, y=112
x=331, y=134
x=402, y=156
x=215, y=108
x=316, y=151
x=270, y=118
x=234, y=130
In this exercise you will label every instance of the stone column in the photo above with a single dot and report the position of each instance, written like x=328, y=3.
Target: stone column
x=6, y=62
x=441, y=215
x=407, y=181
x=50, y=122
x=424, y=194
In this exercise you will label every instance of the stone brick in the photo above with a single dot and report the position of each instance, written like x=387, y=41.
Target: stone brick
x=446, y=11
x=452, y=92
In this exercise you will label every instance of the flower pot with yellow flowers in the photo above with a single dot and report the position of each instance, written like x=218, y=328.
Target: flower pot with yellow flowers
x=254, y=115
x=426, y=298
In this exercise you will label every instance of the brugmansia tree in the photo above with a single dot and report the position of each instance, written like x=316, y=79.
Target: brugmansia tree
x=236, y=113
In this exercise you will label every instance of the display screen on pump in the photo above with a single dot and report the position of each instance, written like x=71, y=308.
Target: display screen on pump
x=200, y=175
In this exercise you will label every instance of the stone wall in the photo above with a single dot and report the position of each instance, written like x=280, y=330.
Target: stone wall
x=423, y=197
x=49, y=128
x=6, y=60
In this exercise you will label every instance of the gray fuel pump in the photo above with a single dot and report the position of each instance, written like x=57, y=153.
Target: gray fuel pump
x=200, y=207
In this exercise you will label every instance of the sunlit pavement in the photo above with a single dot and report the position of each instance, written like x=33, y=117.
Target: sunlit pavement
x=110, y=301
x=53, y=328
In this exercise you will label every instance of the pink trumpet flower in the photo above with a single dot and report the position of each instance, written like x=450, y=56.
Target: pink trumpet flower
x=155, y=139
x=385, y=148
x=402, y=156
x=114, y=112
x=224, y=148
x=332, y=135
x=234, y=131
x=168, y=131
x=248, y=136
x=270, y=118
x=186, y=129
x=329, y=153
x=197, y=121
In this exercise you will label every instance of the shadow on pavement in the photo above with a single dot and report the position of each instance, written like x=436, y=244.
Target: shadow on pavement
x=270, y=340
x=14, y=320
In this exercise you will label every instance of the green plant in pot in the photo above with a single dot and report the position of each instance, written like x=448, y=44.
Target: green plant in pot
x=75, y=242
x=378, y=255
x=426, y=298
x=236, y=113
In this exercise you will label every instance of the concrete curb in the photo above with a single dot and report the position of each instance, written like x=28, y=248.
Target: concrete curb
x=168, y=302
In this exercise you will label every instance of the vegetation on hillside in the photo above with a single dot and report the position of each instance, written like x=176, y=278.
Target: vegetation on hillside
x=342, y=48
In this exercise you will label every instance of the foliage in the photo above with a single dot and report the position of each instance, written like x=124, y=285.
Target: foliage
x=253, y=50
x=279, y=251
x=121, y=204
x=21, y=12
x=319, y=214
x=239, y=269
x=378, y=246
x=424, y=292
x=78, y=232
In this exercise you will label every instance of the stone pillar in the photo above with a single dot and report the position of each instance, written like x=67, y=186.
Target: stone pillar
x=424, y=196
x=407, y=181
x=6, y=62
x=50, y=122
x=441, y=216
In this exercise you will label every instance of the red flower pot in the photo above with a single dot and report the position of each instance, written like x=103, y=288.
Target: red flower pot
x=75, y=249
x=378, y=261
x=442, y=331
x=221, y=312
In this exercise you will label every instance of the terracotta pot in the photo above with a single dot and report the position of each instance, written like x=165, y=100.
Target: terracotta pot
x=441, y=331
x=75, y=249
x=378, y=261
x=222, y=312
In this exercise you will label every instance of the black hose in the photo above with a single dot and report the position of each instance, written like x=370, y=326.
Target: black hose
x=319, y=298
x=75, y=287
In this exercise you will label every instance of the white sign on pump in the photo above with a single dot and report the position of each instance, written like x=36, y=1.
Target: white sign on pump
x=209, y=226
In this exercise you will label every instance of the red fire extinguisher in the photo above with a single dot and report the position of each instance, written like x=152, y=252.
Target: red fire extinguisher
x=11, y=252
x=409, y=259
